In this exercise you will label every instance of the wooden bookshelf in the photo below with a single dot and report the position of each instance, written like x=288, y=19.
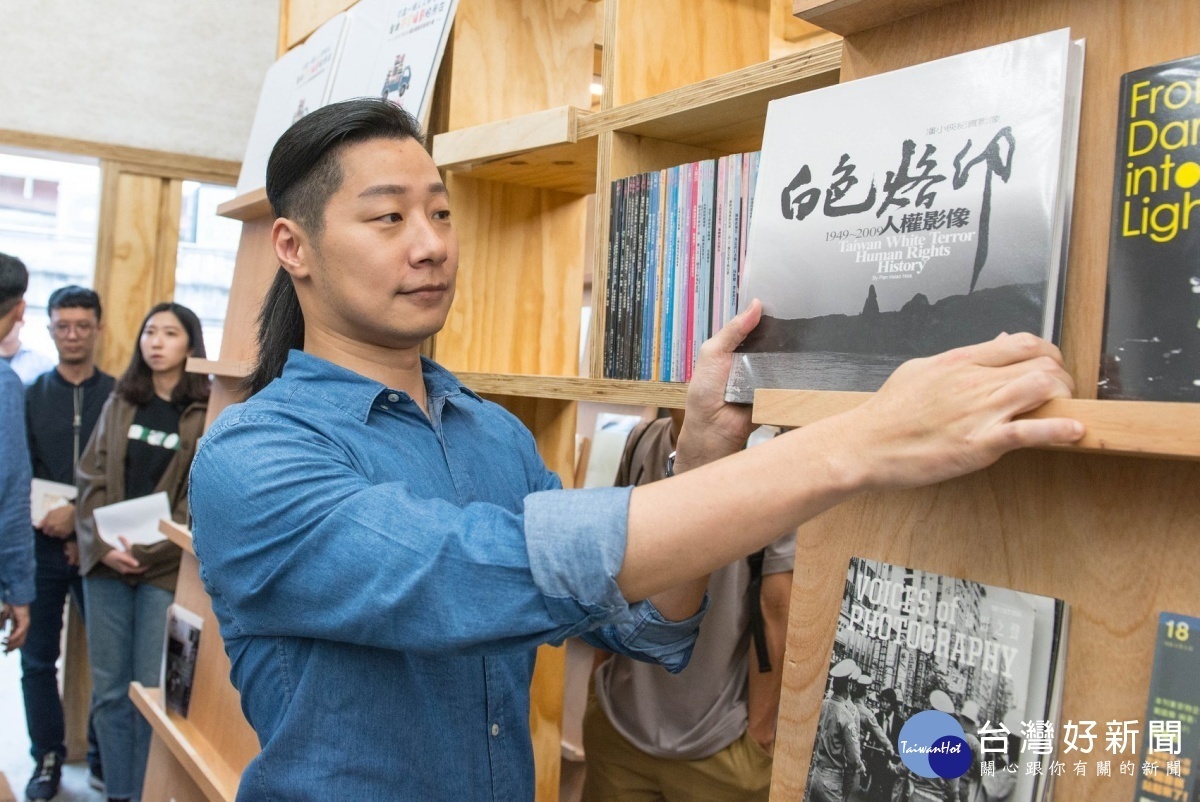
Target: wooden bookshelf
x=1121, y=428
x=604, y=391
x=847, y=17
x=248, y=206
x=203, y=764
x=542, y=149
x=723, y=112
x=227, y=369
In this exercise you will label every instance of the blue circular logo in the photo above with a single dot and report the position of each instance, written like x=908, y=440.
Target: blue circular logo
x=933, y=744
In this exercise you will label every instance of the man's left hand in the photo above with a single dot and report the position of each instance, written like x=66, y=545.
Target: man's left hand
x=59, y=522
x=763, y=736
x=713, y=428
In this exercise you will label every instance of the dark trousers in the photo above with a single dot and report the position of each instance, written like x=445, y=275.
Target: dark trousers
x=39, y=656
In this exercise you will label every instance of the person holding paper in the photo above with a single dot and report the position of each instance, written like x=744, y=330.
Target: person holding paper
x=143, y=444
x=61, y=409
x=16, y=544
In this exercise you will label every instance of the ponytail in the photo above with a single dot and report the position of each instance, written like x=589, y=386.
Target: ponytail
x=280, y=329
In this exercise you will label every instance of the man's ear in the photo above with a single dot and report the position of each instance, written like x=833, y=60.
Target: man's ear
x=292, y=247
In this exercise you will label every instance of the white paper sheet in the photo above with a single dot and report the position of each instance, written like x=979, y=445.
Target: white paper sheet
x=136, y=520
x=46, y=495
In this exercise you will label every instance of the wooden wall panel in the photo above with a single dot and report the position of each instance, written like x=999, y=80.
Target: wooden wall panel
x=135, y=262
x=1115, y=537
x=77, y=685
x=520, y=280
x=643, y=56
x=518, y=57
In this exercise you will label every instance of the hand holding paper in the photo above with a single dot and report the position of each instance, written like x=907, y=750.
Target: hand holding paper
x=133, y=522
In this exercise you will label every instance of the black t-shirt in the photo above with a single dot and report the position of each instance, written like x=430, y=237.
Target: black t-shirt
x=153, y=441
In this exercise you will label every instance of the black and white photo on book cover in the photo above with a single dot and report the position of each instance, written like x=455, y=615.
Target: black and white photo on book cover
x=908, y=213
x=911, y=641
x=179, y=657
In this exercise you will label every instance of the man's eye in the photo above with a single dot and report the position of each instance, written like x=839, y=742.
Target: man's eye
x=394, y=217
x=442, y=215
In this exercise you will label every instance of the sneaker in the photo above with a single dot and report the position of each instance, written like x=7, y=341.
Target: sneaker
x=43, y=786
x=96, y=777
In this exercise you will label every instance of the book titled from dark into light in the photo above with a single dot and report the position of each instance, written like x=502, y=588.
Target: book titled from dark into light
x=998, y=651
x=911, y=212
x=1152, y=312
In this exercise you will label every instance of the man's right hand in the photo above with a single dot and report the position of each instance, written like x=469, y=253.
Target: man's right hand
x=59, y=522
x=122, y=561
x=951, y=414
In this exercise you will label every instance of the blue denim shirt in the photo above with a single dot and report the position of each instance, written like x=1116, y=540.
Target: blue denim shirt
x=382, y=580
x=16, y=534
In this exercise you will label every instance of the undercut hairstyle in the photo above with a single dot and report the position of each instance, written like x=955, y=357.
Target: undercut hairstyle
x=136, y=385
x=73, y=296
x=14, y=280
x=304, y=171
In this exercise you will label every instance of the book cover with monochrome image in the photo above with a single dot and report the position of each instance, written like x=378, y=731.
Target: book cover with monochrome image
x=908, y=213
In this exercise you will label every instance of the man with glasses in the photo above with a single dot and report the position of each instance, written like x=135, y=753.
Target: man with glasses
x=62, y=407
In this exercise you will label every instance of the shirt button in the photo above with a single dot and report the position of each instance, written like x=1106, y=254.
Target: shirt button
x=495, y=729
x=393, y=397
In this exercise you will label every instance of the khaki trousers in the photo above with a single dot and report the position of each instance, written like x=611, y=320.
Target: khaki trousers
x=617, y=771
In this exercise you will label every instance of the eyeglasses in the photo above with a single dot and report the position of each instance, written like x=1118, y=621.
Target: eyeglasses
x=63, y=328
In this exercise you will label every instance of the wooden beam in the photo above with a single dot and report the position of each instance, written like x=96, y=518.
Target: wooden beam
x=845, y=17
x=154, y=162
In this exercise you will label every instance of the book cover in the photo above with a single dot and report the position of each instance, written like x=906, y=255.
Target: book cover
x=296, y=84
x=179, y=657
x=910, y=221
x=1151, y=346
x=910, y=641
x=1171, y=742
x=393, y=50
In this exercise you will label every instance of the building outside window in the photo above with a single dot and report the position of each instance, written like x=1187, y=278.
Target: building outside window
x=204, y=265
x=49, y=217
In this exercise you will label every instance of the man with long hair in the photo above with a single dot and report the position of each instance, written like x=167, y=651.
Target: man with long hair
x=385, y=550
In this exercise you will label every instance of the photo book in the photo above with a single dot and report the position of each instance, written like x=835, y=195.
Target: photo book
x=908, y=213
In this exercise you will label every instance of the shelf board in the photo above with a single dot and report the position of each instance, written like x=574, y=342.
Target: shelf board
x=215, y=778
x=227, y=369
x=540, y=150
x=1130, y=428
x=251, y=206
x=178, y=534
x=605, y=391
x=846, y=17
x=725, y=112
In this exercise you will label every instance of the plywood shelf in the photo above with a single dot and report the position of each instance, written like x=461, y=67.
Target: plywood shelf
x=539, y=150
x=178, y=534
x=1126, y=428
x=725, y=112
x=605, y=391
x=250, y=206
x=224, y=368
x=845, y=17
x=215, y=778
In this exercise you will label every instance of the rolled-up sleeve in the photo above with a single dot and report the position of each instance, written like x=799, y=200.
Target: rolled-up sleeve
x=576, y=542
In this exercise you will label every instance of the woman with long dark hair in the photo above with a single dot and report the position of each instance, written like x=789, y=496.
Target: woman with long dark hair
x=142, y=444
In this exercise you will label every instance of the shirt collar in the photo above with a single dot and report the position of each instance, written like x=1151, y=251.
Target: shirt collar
x=355, y=393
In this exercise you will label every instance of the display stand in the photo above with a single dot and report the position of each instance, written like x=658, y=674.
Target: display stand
x=1117, y=538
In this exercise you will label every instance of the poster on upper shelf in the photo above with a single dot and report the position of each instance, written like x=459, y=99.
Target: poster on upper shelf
x=909, y=213
x=1151, y=346
x=393, y=51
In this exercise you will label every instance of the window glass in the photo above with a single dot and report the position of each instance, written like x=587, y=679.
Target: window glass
x=49, y=216
x=207, y=251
